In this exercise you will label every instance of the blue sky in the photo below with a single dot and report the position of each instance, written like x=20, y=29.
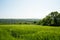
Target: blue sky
x=28, y=8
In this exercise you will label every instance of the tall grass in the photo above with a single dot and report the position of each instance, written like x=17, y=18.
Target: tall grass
x=29, y=32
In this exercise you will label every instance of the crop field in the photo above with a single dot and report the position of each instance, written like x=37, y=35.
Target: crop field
x=29, y=32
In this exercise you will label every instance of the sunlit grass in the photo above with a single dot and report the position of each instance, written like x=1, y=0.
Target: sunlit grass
x=29, y=32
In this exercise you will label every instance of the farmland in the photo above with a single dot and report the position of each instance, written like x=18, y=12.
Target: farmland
x=29, y=32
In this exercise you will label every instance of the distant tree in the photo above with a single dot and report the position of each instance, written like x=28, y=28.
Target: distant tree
x=34, y=22
x=25, y=23
x=20, y=23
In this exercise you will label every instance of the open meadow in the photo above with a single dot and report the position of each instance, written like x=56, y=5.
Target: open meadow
x=29, y=32
x=29, y=19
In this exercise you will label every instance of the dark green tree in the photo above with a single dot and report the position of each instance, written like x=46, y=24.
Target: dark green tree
x=52, y=19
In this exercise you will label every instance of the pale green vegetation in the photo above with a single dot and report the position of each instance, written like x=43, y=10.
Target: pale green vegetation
x=29, y=32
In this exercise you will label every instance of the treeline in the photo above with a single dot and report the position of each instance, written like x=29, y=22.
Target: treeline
x=18, y=21
x=52, y=19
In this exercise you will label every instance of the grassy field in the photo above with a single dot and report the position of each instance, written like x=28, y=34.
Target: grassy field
x=29, y=32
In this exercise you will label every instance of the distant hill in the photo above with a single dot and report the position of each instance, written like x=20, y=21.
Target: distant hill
x=12, y=21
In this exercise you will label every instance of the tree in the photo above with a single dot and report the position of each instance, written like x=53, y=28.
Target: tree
x=51, y=19
x=46, y=20
x=54, y=17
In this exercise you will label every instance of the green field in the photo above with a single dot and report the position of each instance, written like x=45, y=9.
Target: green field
x=29, y=32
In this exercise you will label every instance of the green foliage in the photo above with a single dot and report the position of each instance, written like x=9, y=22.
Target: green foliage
x=29, y=32
x=39, y=22
x=18, y=21
x=53, y=19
